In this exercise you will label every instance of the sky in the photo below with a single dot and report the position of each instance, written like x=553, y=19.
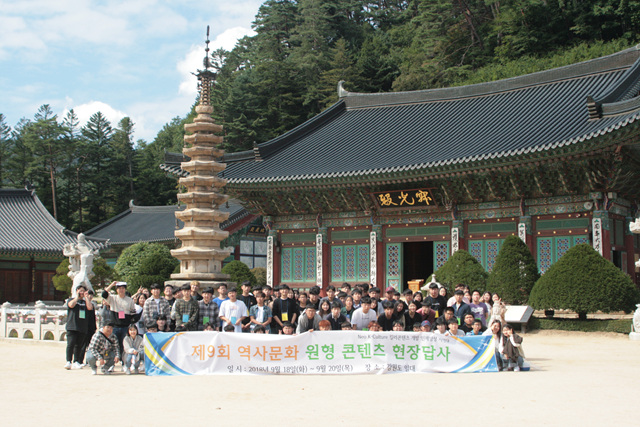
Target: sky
x=121, y=57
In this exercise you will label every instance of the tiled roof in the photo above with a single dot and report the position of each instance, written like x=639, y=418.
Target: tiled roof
x=372, y=134
x=153, y=223
x=26, y=227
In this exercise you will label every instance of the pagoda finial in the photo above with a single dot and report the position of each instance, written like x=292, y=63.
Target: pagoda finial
x=206, y=76
x=207, y=61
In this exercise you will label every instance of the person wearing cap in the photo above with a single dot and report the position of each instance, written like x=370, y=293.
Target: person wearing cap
x=208, y=310
x=103, y=350
x=437, y=302
x=77, y=326
x=122, y=309
x=185, y=311
x=156, y=306
x=232, y=311
x=309, y=320
x=425, y=326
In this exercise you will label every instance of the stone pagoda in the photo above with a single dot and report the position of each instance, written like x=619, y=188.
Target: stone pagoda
x=200, y=254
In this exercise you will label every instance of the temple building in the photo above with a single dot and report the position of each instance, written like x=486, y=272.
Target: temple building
x=383, y=188
x=31, y=245
x=157, y=224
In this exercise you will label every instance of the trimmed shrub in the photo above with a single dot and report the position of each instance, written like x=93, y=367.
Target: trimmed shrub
x=101, y=270
x=260, y=273
x=144, y=263
x=583, y=281
x=462, y=267
x=61, y=281
x=239, y=272
x=514, y=272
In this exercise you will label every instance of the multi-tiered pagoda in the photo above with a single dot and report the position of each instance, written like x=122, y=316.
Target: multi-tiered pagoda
x=200, y=254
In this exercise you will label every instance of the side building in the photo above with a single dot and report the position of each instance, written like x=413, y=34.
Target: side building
x=157, y=224
x=31, y=244
x=383, y=188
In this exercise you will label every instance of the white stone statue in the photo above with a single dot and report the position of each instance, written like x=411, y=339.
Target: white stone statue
x=80, y=263
x=636, y=320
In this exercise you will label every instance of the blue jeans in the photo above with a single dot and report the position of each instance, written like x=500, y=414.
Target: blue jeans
x=134, y=359
x=510, y=363
x=108, y=358
x=120, y=332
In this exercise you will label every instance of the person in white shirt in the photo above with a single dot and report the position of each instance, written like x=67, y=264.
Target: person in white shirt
x=453, y=329
x=362, y=316
x=233, y=311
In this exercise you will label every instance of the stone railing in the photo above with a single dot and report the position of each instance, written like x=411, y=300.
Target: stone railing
x=38, y=322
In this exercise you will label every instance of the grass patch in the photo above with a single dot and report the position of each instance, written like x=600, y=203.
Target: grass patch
x=621, y=326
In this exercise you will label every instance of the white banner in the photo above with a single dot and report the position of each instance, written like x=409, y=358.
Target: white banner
x=328, y=352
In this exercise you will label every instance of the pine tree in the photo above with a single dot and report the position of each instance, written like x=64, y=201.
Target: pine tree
x=514, y=272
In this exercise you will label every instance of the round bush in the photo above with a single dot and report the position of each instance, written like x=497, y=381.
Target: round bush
x=144, y=263
x=583, y=281
x=462, y=267
x=239, y=272
x=514, y=272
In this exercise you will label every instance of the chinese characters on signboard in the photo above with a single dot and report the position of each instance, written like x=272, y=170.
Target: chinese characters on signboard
x=405, y=198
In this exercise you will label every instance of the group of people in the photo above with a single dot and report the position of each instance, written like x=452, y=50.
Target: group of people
x=125, y=319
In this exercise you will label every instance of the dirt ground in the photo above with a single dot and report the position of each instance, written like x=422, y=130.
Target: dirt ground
x=579, y=379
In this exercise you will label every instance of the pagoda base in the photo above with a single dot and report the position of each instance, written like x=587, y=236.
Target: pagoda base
x=200, y=276
x=203, y=283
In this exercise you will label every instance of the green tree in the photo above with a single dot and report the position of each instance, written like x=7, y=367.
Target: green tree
x=17, y=171
x=141, y=260
x=61, y=281
x=239, y=272
x=5, y=148
x=514, y=272
x=121, y=167
x=260, y=273
x=101, y=270
x=462, y=267
x=44, y=138
x=583, y=281
x=96, y=175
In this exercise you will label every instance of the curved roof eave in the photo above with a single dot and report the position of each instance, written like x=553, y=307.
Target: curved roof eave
x=421, y=166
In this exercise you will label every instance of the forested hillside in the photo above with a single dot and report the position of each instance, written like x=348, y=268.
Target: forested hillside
x=288, y=72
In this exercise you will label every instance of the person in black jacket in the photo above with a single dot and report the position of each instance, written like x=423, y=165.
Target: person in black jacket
x=77, y=326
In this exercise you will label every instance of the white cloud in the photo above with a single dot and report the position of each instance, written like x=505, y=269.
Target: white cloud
x=193, y=60
x=85, y=111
